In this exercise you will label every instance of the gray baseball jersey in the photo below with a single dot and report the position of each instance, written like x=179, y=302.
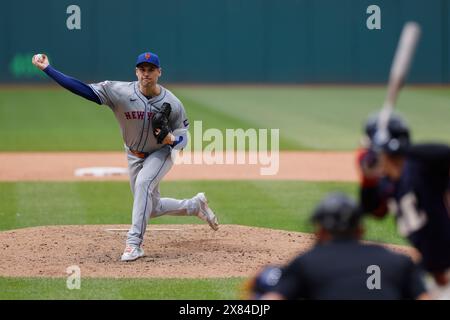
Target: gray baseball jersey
x=134, y=111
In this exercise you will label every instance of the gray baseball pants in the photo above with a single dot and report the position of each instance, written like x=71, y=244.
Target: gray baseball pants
x=145, y=176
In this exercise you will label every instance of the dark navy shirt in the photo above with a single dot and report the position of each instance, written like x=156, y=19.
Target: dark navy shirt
x=345, y=269
x=421, y=198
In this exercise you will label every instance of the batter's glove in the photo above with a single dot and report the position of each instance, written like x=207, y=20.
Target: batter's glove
x=261, y=283
x=368, y=165
x=160, y=122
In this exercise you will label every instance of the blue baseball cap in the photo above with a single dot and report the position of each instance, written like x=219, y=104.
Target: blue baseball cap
x=148, y=57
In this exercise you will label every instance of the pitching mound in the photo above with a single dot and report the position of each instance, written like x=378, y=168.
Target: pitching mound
x=172, y=251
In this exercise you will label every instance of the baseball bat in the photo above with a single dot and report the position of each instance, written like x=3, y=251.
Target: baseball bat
x=399, y=70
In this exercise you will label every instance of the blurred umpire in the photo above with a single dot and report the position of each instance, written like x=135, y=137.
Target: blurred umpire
x=339, y=266
x=414, y=181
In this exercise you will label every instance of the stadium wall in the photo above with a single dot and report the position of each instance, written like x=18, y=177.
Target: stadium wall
x=221, y=41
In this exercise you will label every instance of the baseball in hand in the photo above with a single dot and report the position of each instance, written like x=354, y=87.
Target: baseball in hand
x=38, y=57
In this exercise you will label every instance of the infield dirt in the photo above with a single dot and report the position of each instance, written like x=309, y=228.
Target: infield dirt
x=171, y=251
x=293, y=165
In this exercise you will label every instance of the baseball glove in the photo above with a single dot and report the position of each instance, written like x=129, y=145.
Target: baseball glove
x=160, y=122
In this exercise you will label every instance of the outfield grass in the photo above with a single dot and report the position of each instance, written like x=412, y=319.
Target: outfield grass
x=324, y=118
x=130, y=289
x=319, y=118
x=282, y=205
x=272, y=204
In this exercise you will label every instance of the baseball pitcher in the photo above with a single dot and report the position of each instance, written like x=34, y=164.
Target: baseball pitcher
x=153, y=123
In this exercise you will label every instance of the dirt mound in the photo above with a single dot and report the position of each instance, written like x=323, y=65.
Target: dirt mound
x=172, y=251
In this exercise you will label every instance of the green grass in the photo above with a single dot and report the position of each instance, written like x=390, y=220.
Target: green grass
x=318, y=118
x=282, y=205
x=129, y=289
x=55, y=120
x=325, y=118
x=272, y=204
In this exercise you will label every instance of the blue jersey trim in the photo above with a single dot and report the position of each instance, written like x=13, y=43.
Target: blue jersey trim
x=148, y=124
x=146, y=198
x=145, y=116
x=165, y=92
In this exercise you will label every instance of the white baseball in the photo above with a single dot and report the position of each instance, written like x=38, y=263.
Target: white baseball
x=38, y=57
